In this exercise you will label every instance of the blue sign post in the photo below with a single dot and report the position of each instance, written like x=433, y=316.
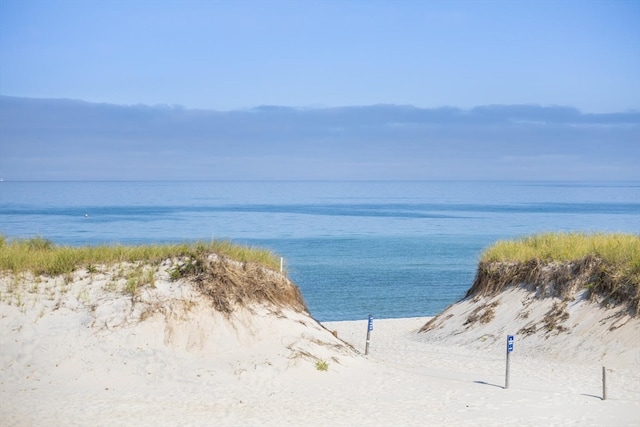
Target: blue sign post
x=369, y=329
x=510, y=340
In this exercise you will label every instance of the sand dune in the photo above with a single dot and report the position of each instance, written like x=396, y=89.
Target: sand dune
x=550, y=327
x=80, y=351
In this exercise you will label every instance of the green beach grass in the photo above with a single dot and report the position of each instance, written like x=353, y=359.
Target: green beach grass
x=236, y=278
x=607, y=265
x=41, y=256
x=619, y=250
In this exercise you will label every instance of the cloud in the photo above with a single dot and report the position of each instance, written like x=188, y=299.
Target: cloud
x=81, y=140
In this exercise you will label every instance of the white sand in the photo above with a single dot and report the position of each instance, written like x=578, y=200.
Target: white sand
x=83, y=356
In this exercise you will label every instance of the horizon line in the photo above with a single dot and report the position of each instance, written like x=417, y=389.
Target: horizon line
x=175, y=106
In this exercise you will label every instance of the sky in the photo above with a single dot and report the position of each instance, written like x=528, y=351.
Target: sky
x=239, y=54
x=296, y=63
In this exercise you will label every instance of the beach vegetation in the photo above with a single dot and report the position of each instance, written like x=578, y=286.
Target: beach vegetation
x=322, y=365
x=482, y=313
x=558, y=264
x=41, y=256
x=138, y=277
x=622, y=250
x=229, y=284
x=229, y=275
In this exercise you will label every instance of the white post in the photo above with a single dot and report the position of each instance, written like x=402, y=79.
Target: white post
x=281, y=263
x=604, y=383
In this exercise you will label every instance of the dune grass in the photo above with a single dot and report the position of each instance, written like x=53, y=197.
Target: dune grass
x=607, y=265
x=622, y=250
x=41, y=256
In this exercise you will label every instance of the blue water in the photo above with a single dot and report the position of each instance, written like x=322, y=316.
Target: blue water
x=392, y=249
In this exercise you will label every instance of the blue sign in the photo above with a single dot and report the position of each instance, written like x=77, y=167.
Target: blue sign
x=370, y=322
x=510, y=343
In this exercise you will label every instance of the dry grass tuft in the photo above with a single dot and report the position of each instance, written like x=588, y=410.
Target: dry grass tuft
x=231, y=284
x=561, y=280
x=483, y=314
x=554, y=317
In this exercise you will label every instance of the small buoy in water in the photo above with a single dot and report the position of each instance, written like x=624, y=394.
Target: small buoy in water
x=86, y=215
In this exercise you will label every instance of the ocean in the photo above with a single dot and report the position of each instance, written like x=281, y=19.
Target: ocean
x=389, y=249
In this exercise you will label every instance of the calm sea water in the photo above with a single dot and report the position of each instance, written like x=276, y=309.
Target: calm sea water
x=390, y=249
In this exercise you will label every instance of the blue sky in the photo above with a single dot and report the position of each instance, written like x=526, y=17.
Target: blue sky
x=239, y=54
x=372, y=89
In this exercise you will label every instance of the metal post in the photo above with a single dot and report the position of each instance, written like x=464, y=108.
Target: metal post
x=604, y=383
x=506, y=377
x=509, y=350
x=369, y=329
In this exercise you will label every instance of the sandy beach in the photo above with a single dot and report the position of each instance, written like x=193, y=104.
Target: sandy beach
x=80, y=355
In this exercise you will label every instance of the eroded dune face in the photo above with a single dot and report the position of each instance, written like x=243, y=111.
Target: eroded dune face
x=554, y=310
